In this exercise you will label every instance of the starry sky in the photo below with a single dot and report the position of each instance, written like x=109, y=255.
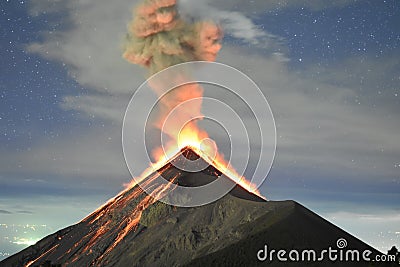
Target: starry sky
x=330, y=71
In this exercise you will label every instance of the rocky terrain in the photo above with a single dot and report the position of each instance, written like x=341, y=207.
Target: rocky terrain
x=135, y=230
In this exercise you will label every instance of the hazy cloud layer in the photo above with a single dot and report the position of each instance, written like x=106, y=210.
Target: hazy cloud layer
x=258, y=6
x=25, y=212
x=383, y=223
x=320, y=126
x=5, y=212
x=94, y=154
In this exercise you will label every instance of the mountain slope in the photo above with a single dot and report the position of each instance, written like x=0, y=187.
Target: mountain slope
x=133, y=229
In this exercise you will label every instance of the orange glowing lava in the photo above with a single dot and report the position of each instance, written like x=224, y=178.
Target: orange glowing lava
x=199, y=141
x=104, y=225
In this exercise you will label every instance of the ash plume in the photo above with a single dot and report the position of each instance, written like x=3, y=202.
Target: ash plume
x=159, y=38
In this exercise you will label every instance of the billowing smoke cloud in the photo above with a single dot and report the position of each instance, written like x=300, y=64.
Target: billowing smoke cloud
x=158, y=38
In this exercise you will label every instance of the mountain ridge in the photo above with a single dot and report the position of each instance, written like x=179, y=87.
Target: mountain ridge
x=134, y=229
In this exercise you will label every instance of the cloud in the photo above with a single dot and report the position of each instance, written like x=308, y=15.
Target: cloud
x=91, y=43
x=95, y=153
x=102, y=106
x=90, y=46
x=5, y=212
x=259, y=6
x=373, y=79
x=321, y=129
x=373, y=217
x=316, y=126
x=25, y=212
x=235, y=24
x=42, y=7
x=378, y=226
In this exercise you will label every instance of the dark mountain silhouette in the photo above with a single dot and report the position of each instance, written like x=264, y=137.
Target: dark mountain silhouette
x=133, y=229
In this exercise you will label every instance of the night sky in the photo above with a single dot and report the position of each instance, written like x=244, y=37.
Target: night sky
x=329, y=69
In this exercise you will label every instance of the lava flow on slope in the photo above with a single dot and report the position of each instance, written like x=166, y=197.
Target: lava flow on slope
x=90, y=242
x=134, y=229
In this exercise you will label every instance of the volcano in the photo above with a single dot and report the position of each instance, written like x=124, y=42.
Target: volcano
x=134, y=229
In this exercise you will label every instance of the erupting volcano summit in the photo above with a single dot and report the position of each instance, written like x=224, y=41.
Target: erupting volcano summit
x=134, y=229
x=94, y=240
